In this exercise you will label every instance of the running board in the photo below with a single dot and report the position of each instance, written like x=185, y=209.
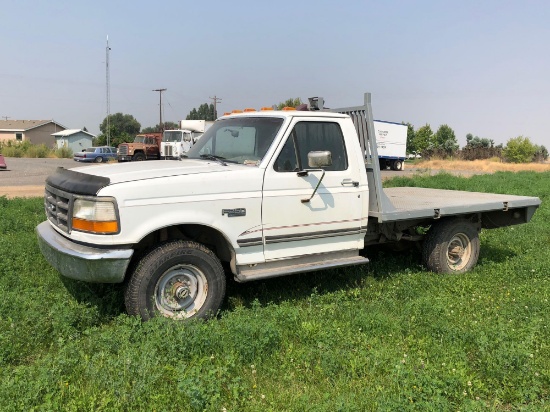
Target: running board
x=304, y=264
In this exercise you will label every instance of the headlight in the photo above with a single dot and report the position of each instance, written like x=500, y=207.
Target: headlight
x=95, y=216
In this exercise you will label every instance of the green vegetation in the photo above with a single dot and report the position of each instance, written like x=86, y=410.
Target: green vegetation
x=519, y=150
x=122, y=128
x=204, y=112
x=386, y=336
x=27, y=149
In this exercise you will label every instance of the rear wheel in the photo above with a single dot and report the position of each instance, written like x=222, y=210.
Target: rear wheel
x=451, y=246
x=178, y=280
x=138, y=157
x=398, y=165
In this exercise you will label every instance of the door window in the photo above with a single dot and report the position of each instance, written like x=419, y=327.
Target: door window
x=309, y=137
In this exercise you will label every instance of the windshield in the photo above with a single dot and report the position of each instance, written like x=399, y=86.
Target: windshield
x=172, y=136
x=139, y=139
x=243, y=140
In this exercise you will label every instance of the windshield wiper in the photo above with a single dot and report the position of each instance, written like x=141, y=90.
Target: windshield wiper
x=219, y=159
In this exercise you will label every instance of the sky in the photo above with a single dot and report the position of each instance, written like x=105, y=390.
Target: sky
x=481, y=67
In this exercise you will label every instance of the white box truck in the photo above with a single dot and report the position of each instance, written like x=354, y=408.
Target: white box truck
x=391, y=141
x=176, y=143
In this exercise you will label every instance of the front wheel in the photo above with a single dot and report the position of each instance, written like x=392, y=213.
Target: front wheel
x=451, y=246
x=98, y=159
x=178, y=280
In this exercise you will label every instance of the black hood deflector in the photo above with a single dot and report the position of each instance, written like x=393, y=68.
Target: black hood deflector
x=76, y=182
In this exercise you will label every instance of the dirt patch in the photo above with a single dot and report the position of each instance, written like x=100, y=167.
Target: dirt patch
x=22, y=191
x=484, y=166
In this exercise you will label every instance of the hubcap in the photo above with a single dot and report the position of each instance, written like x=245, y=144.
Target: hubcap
x=459, y=251
x=181, y=291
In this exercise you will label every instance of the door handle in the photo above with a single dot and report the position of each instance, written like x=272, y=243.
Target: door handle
x=349, y=182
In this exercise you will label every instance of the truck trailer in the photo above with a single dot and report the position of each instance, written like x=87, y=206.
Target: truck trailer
x=391, y=140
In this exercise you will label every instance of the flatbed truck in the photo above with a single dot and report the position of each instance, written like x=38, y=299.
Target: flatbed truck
x=267, y=194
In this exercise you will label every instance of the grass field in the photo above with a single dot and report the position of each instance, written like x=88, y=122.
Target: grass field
x=388, y=336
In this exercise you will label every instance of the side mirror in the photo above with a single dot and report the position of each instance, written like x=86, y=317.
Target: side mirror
x=319, y=159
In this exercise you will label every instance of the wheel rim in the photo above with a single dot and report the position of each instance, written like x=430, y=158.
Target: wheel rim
x=181, y=291
x=99, y=159
x=459, y=251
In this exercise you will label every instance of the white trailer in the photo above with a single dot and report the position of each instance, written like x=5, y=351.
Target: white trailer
x=391, y=141
x=176, y=143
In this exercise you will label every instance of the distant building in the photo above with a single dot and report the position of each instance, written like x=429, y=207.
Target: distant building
x=74, y=139
x=33, y=131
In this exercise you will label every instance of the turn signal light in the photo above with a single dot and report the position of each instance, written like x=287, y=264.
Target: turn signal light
x=95, y=226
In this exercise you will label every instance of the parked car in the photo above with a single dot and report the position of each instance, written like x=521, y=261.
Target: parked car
x=95, y=154
x=2, y=162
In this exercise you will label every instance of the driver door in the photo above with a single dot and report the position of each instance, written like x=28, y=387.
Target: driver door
x=331, y=220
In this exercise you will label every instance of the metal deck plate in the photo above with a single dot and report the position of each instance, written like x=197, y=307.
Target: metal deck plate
x=416, y=202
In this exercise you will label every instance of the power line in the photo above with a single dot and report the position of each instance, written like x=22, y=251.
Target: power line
x=216, y=101
x=160, y=107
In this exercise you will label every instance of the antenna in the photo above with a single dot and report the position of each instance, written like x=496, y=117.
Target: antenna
x=107, y=76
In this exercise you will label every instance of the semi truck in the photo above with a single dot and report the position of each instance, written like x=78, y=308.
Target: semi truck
x=144, y=147
x=391, y=141
x=175, y=143
x=260, y=195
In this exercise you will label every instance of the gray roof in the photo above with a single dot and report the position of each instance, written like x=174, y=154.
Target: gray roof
x=70, y=132
x=24, y=125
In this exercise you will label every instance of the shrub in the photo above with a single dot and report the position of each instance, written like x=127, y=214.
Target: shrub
x=38, y=151
x=519, y=150
x=63, y=152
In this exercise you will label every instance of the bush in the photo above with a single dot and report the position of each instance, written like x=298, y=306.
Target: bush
x=519, y=150
x=38, y=151
x=63, y=152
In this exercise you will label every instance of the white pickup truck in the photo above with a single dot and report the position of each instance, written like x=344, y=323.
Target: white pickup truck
x=267, y=193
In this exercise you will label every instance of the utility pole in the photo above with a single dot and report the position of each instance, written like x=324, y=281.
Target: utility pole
x=6, y=117
x=160, y=108
x=108, y=80
x=216, y=101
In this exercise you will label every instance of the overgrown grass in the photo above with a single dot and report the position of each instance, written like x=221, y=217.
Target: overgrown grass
x=27, y=149
x=387, y=336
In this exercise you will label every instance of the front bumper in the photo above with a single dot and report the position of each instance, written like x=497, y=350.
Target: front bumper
x=80, y=262
x=124, y=158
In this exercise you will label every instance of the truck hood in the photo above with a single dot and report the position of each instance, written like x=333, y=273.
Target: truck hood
x=128, y=172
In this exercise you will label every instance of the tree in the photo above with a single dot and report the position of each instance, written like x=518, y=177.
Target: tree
x=122, y=128
x=519, y=150
x=541, y=153
x=205, y=112
x=480, y=148
x=475, y=142
x=423, y=138
x=292, y=102
x=158, y=129
x=445, y=139
x=410, y=138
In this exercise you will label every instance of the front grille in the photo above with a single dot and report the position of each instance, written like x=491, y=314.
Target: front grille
x=57, y=204
x=167, y=150
x=123, y=150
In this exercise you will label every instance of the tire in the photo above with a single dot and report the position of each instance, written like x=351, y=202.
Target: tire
x=178, y=280
x=138, y=157
x=98, y=159
x=398, y=165
x=451, y=246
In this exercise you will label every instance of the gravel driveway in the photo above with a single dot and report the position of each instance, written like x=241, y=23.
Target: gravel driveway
x=26, y=177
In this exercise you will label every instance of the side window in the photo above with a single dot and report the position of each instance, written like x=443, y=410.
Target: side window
x=309, y=137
